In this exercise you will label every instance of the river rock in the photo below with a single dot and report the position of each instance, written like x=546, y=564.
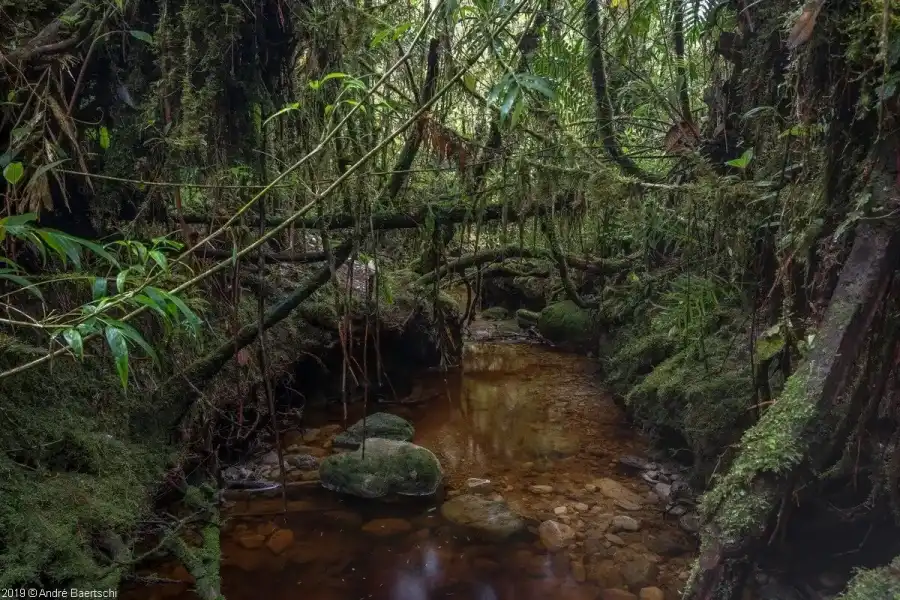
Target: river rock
x=566, y=324
x=387, y=527
x=618, y=493
x=492, y=520
x=624, y=523
x=479, y=486
x=639, y=571
x=541, y=489
x=378, y=425
x=280, y=541
x=556, y=536
x=690, y=522
x=651, y=593
x=616, y=594
x=303, y=462
x=605, y=573
x=389, y=467
x=251, y=541
x=560, y=510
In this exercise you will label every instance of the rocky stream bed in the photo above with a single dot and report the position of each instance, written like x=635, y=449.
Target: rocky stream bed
x=514, y=478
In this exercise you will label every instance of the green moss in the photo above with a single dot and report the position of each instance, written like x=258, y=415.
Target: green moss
x=774, y=445
x=387, y=467
x=878, y=583
x=566, y=324
x=683, y=394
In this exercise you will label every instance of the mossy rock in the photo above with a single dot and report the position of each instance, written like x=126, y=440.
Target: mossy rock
x=390, y=467
x=378, y=425
x=495, y=313
x=527, y=318
x=565, y=324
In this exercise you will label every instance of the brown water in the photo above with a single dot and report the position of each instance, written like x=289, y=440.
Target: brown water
x=517, y=414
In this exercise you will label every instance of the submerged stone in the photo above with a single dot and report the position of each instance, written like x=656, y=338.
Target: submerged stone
x=492, y=520
x=389, y=467
x=379, y=425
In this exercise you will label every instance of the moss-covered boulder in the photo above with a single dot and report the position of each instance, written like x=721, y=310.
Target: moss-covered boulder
x=379, y=425
x=388, y=467
x=565, y=324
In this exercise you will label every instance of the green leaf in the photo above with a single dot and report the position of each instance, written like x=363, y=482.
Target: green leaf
x=119, y=348
x=93, y=247
x=742, y=161
x=141, y=35
x=14, y=172
x=63, y=248
x=23, y=283
x=98, y=289
x=132, y=334
x=511, y=95
x=537, y=84
x=75, y=342
x=286, y=109
x=192, y=319
x=152, y=305
x=121, y=278
x=104, y=137
x=160, y=259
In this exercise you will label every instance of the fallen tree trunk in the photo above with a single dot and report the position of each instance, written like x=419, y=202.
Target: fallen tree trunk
x=600, y=267
x=742, y=510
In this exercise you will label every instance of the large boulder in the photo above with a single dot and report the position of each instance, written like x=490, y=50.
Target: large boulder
x=383, y=468
x=488, y=519
x=378, y=425
x=567, y=325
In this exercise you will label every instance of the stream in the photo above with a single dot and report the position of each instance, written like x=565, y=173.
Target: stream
x=533, y=422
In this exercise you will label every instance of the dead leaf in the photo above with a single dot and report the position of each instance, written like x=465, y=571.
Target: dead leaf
x=803, y=28
x=681, y=137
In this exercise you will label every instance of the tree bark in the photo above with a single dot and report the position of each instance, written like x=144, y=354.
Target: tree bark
x=742, y=509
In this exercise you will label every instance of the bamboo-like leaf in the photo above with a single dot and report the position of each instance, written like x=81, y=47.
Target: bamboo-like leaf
x=98, y=288
x=119, y=348
x=121, y=279
x=132, y=334
x=290, y=107
x=160, y=259
x=23, y=283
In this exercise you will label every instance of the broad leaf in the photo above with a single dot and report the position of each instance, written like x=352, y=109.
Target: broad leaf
x=75, y=342
x=14, y=172
x=141, y=35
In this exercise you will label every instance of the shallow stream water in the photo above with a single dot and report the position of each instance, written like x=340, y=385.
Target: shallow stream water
x=516, y=414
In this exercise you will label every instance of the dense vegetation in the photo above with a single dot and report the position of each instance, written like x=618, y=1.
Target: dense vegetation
x=704, y=193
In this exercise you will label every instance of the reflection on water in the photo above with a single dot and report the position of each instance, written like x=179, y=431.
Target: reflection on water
x=506, y=403
x=509, y=405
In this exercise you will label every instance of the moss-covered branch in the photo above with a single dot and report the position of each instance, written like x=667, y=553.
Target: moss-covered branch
x=500, y=254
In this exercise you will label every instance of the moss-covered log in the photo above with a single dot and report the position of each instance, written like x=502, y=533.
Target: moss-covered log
x=598, y=266
x=742, y=509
